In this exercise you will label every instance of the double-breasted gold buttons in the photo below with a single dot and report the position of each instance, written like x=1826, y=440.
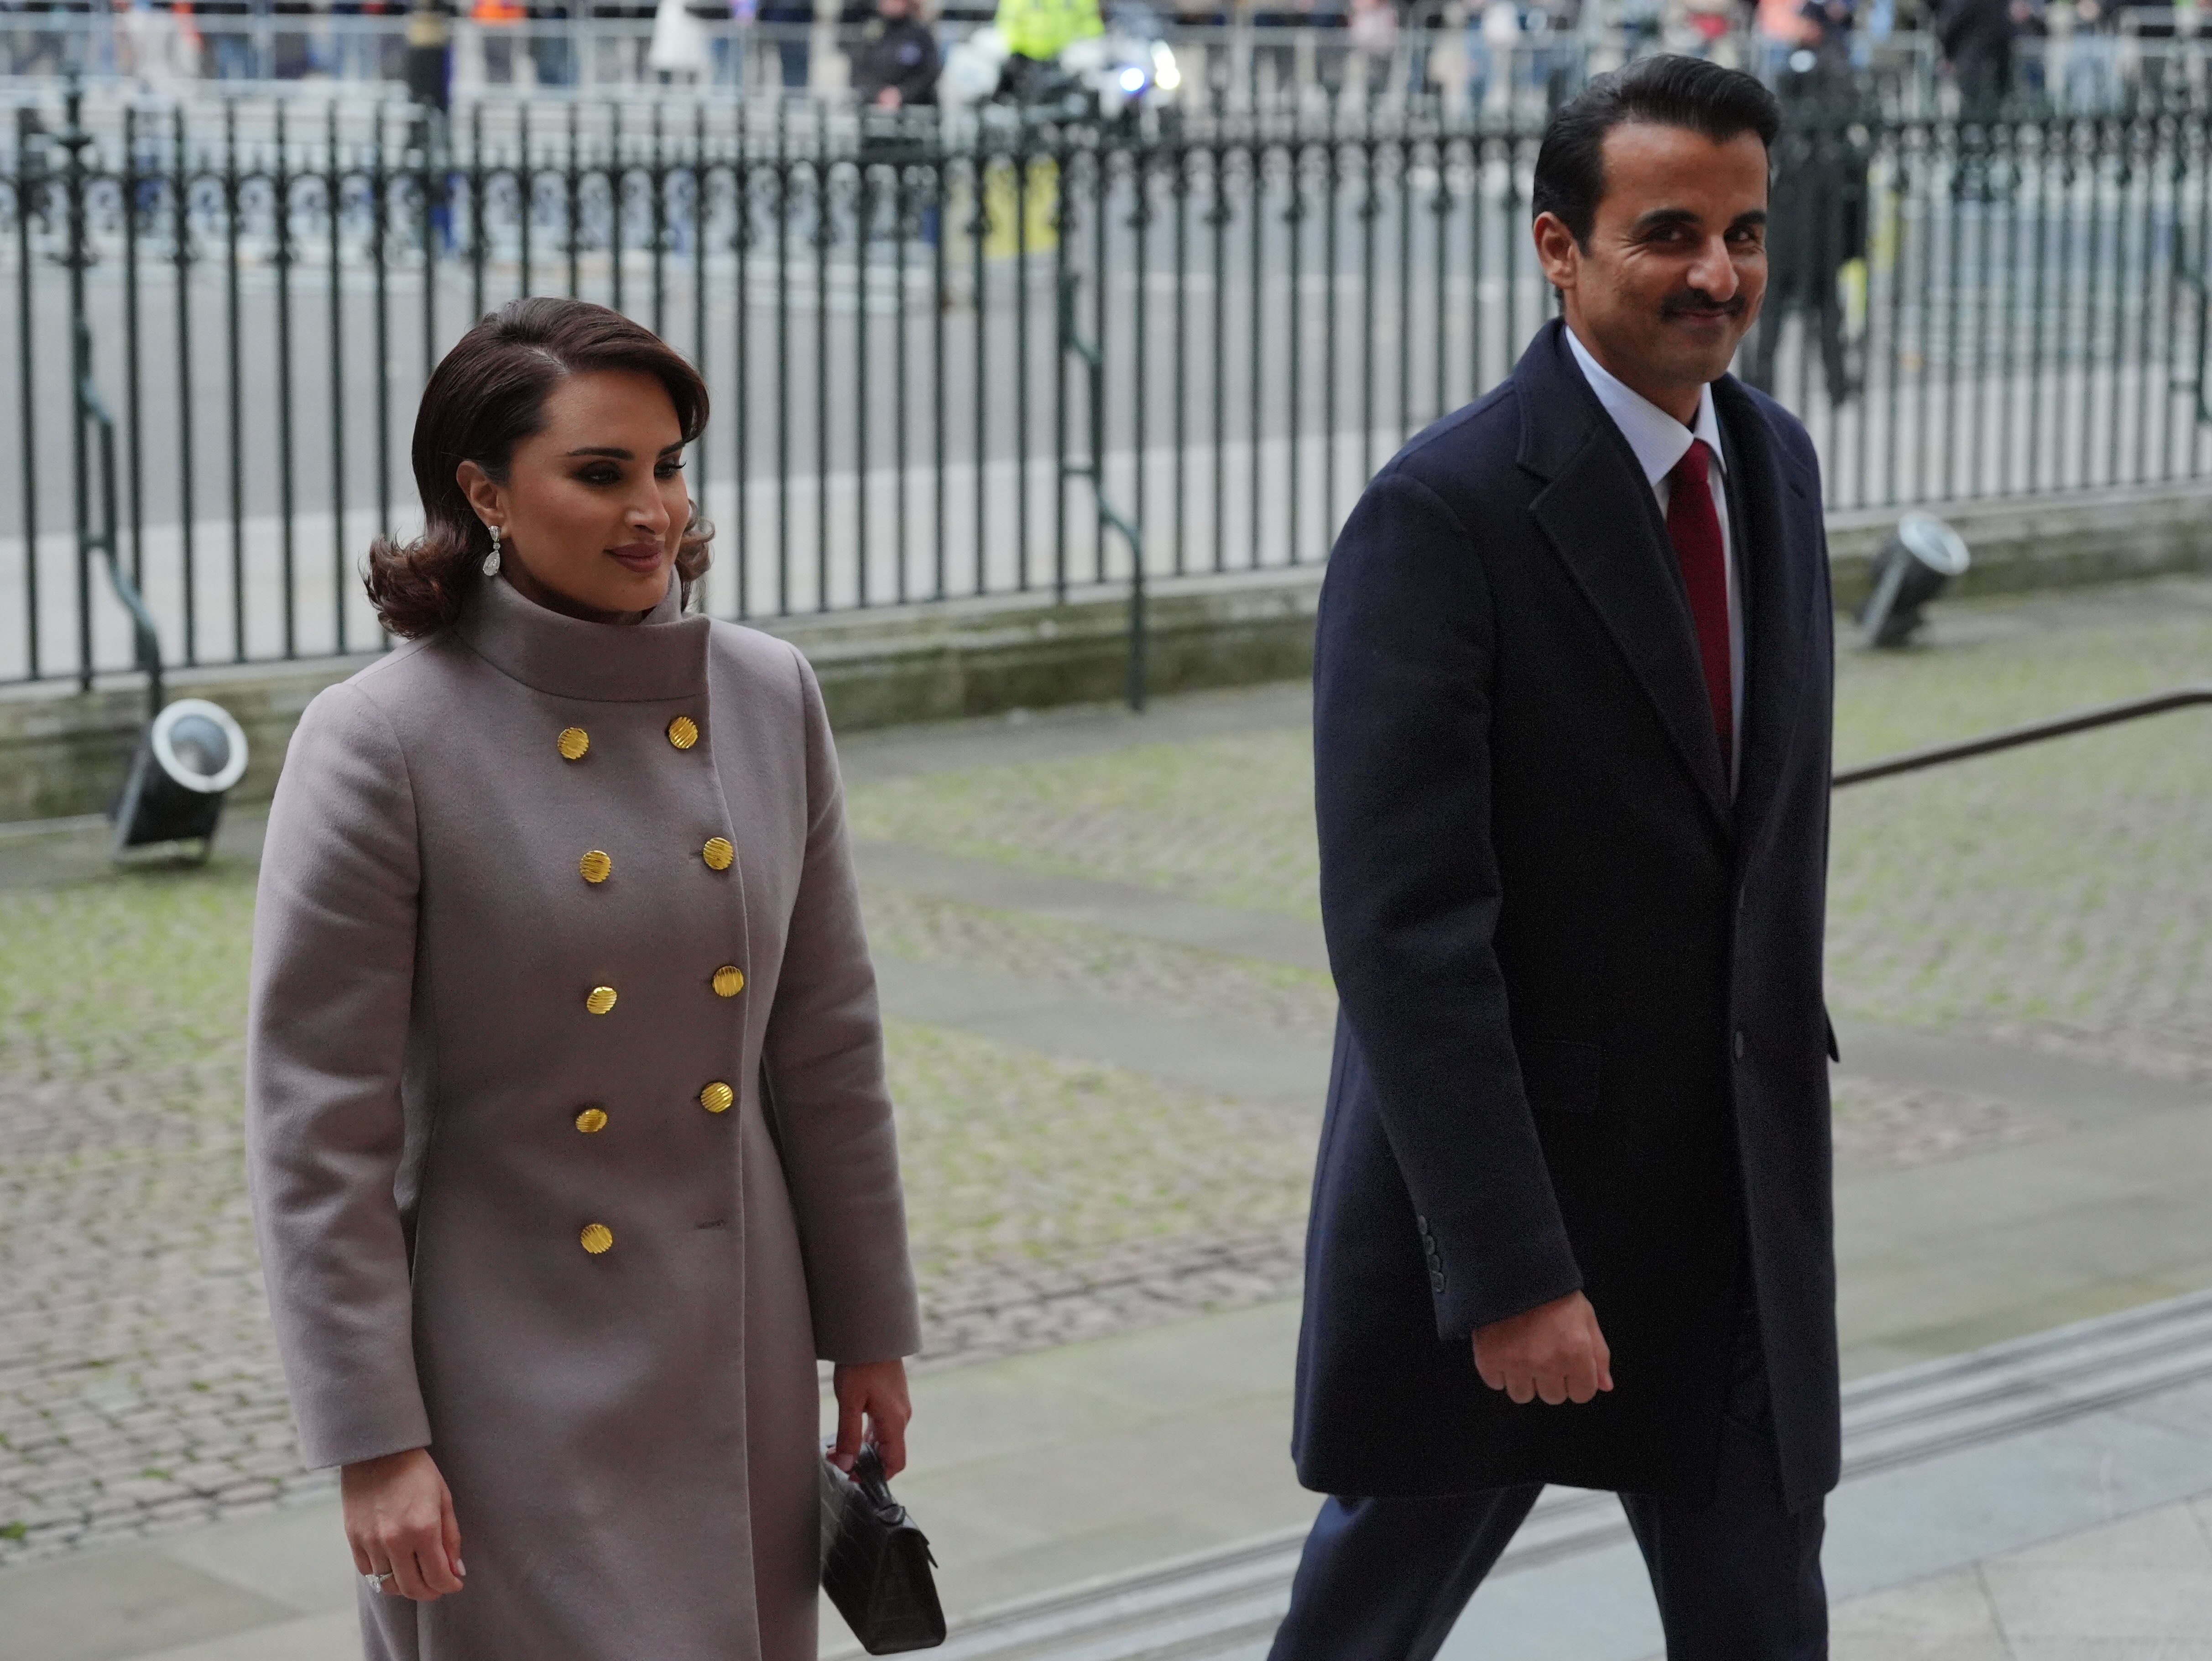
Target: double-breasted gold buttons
x=719, y=853
x=599, y=1000
x=591, y=1119
x=596, y=1237
x=596, y=865
x=683, y=732
x=574, y=741
x=717, y=1097
x=729, y=980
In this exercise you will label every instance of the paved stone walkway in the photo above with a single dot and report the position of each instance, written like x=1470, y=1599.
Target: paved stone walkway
x=2136, y=1589
x=1109, y=1025
x=2081, y=1540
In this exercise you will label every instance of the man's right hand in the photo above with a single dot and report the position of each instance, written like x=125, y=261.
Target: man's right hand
x=1554, y=1353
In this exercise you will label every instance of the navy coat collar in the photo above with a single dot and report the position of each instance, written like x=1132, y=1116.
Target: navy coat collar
x=1778, y=518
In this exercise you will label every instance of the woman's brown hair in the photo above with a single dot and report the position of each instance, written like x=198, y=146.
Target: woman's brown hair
x=486, y=396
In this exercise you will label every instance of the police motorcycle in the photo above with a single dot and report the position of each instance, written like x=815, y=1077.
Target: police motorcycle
x=1125, y=80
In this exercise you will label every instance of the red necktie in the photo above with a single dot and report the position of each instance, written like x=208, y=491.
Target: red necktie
x=1695, y=529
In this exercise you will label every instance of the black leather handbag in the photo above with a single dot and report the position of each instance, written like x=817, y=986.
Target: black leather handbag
x=875, y=1563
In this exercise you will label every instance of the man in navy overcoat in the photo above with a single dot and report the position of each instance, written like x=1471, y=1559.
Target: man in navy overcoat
x=1572, y=1218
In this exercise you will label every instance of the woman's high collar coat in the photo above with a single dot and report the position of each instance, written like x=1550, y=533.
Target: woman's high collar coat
x=629, y=1432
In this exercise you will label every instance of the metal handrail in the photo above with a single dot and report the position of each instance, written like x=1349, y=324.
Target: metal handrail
x=1093, y=360
x=2058, y=727
x=92, y=409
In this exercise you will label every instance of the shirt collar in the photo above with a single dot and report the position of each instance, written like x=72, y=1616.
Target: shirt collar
x=1657, y=438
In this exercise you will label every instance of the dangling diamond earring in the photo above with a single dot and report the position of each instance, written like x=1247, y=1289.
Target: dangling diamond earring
x=492, y=559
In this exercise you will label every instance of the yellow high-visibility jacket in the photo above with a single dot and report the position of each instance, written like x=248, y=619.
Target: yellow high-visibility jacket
x=1039, y=29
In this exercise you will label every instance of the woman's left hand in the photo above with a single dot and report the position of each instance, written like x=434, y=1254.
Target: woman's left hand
x=874, y=1391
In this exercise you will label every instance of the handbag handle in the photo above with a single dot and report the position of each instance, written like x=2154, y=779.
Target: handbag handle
x=868, y=1476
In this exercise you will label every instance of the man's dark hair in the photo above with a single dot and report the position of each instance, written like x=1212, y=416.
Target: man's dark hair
x=1668, y=92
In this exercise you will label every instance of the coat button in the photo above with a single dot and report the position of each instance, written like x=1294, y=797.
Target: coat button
x=596, y=1237
x=595, y=866
x=729, y=980
x=574, y=741
x=600, y=999
x=717, y=1097
x=591, y=1119
x=1436, y=1280
x=683, y=732
x=719, y=853
x=1739, y=1043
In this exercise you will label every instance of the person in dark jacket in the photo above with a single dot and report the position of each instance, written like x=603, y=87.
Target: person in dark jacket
x=1820, y=224
x=1573, y=1220
x=897, y=64
x=1977, y=37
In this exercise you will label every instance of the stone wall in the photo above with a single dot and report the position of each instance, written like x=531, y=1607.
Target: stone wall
x=63, y=753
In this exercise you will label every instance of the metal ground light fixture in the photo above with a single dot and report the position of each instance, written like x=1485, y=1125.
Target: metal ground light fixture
x=192, y=753
x=1921, y=556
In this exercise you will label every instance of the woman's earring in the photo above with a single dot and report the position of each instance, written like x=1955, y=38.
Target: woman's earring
x=492, y=559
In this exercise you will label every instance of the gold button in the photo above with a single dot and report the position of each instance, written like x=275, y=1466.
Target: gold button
x=683, y=732
x=601, y=1000
x=717, y=1097
x=595, y=866
x=574, y=741
x=596, y=1237
x=718, y=854
x=729, y=980
x=591, y=1119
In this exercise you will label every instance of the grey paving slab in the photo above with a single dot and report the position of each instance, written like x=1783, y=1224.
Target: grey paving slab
x=1057, y=734
x=1123, y=907
x=278, y=1585
x=296, y=1556
x=334, y=1637
x=1248, y=1062
x=1945, y=1256
x=2060, y=1489
x=2053, y=1083
x=105, y=1606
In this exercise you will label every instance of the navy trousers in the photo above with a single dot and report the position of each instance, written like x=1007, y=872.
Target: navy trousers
x=1737, y=1576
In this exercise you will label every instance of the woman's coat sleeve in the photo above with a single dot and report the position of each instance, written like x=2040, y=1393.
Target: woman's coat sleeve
x=334, y=978
x=823, y=1060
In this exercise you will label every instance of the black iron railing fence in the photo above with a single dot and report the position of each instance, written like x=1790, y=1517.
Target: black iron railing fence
x=889, y=328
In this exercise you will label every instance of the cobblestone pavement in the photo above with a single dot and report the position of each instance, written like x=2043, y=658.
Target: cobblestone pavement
x=2059, y=899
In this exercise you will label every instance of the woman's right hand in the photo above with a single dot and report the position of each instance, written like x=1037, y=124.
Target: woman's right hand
x=399, y=1521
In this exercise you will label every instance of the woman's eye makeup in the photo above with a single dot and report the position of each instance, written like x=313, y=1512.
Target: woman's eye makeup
x=600, y=473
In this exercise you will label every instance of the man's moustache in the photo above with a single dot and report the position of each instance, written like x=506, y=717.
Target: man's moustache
x=1683, y=305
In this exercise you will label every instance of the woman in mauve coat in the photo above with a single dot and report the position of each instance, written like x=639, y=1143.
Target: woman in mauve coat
x=570, y=1145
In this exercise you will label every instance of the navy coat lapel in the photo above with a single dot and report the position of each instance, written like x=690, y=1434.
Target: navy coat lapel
x=1602, y=521
x=1778, y=603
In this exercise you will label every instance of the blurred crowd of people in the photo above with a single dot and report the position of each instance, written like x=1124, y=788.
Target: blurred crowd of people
x=1493, y=53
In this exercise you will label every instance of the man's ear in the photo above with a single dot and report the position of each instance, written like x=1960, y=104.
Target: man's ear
x=1557, y=250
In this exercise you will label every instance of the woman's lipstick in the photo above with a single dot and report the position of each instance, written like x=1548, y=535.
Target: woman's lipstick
x=640, y=556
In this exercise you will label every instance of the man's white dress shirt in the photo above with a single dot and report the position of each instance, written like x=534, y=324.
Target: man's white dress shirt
x=1659, y=441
